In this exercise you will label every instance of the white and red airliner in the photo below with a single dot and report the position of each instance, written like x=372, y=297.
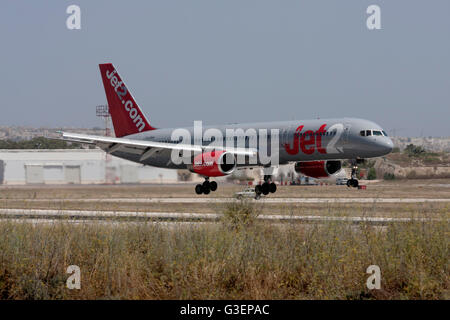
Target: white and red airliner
x=317, y=147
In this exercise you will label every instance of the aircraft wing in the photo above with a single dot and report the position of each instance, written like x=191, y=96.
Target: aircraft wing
x=143, y=147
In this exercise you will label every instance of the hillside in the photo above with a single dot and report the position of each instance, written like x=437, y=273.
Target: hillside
x=414, y=162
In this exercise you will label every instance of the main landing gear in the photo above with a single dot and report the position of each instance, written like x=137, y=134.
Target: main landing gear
x=266, y=187
x=206, y=187
x=353, y=182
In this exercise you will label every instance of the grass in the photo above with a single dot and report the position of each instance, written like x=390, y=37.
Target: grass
x=238, y=258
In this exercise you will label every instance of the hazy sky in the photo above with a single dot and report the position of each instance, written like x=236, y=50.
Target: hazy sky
x=229, y=61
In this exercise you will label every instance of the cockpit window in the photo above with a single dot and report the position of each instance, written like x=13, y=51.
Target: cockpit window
x=368, y=133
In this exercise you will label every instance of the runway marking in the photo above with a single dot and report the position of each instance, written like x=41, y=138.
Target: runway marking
x=263, y=200
x=70, y=215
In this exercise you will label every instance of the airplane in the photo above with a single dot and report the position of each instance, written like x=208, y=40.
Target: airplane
x=317, y=147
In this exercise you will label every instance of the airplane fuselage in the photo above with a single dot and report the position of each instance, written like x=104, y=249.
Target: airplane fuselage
x=298, y=140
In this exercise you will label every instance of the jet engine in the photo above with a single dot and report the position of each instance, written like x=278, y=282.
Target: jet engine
x=318, y=169
x=214, y=164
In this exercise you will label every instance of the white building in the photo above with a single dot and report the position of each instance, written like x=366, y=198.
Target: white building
x=75, y=166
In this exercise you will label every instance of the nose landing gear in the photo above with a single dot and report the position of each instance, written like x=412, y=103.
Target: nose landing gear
x=267, y=187
x=353, y=182
x=206, y=187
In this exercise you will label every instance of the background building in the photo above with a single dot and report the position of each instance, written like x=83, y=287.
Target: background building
x=75, y=166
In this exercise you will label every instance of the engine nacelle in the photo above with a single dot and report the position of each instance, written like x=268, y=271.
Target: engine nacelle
x=318, y=169
x=214, y=164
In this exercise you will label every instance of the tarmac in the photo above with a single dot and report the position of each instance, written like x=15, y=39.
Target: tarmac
x=123, y=216
x=227, y=200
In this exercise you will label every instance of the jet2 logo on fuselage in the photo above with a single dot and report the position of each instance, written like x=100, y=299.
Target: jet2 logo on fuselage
x=307, y=141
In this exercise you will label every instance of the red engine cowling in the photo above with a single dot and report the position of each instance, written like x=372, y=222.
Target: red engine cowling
x=318, y=169
x=214, y=164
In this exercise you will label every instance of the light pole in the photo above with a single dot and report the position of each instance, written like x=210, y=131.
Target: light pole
x=102, y=111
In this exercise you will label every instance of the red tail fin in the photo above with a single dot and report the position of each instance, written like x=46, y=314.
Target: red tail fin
x=126, y=115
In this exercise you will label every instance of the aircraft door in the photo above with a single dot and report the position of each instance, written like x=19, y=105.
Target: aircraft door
x=288, y=136
x=346, y=134
x=283, y=136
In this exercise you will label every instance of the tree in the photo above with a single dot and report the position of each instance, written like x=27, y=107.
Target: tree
x=38, y=143
x=413, y=150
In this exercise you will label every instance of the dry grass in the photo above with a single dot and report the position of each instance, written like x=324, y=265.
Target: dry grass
x=238, y=258
x=234, y=259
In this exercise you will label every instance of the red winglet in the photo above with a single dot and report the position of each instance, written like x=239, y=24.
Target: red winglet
x=126, y=115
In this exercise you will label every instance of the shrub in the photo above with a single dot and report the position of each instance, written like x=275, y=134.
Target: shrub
x=389, y=176
x=372, y=174
x=413, y=150
x=240, y=213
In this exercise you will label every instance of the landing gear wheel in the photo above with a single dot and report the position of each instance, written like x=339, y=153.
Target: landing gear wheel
x=352, y=183
x=206, y=187
x=198, y=189
x=213, y=185
x=272, y=187
x=258, y=190
x=265, y=188
x=268, y=185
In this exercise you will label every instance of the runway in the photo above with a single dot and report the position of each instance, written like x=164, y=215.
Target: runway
x=36, y=215
x=227, y=200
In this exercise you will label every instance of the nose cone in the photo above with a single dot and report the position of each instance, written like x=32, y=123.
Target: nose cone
x=385, y=145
